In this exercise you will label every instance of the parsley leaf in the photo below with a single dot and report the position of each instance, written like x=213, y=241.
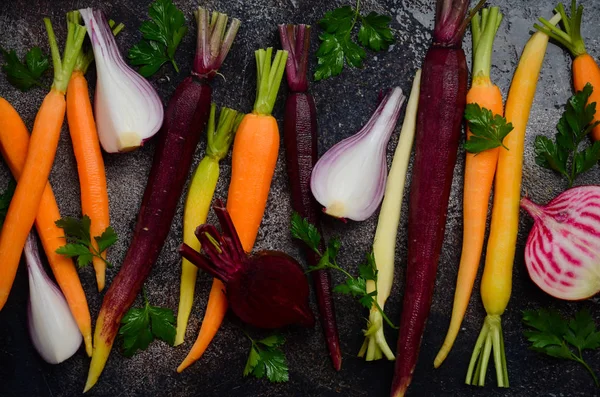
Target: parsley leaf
x=564, y=156
x=488, y=130
x=555, y=336
x=25, y=75
x=5, y=199
x=161, y=37
x=79, y=244
x=375, y=32
x=267, y=358
x=140, y=326
x=337, y=45
x=303, y=230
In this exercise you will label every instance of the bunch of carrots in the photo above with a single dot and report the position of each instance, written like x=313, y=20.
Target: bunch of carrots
x=255, y=138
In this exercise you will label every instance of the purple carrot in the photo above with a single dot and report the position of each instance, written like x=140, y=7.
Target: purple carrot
x=439, y=118
x=185, y=118
x=300, y=140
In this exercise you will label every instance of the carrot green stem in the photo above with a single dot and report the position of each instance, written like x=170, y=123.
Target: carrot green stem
x=268, y=79
x=490, y=340
x=220, y=135
x=86, y=57
x=63, y=67
x=570, y=35
x=484, y=30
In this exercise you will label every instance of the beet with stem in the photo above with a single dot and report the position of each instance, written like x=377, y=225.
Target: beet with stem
x=267, y=289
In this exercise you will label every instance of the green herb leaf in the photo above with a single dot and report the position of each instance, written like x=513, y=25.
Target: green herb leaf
x=357, y=287
x=79, y=244
x=161, y=37
x=135, y=331
x=551, y=334
x=375, y=32
x=337, y=45
x=339, y=20
x=368, y=270
x=266, y=358
x=488, y=130
x=574, y=125
x=587, y=158
x=551, y=156
x=303, y=230
x=162, y=321
x=5, y=199
x=252, y=362
x=25, y=75
x=140, y=326
x=106, y=239
x=150, y=55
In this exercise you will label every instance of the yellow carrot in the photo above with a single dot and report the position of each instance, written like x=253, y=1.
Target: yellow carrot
x=496, y=283
x=197, y=204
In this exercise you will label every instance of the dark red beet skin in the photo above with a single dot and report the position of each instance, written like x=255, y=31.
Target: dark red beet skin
x=185, y=119
x=443, y=94
x=300, y=141
x=266, y=290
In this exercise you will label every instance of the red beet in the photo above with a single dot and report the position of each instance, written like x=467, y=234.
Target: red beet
x=266, y=290
x=441, y=107
x=300, y=140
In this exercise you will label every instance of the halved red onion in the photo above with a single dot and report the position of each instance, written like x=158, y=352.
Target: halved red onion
x=127, y=109
x=349, y=180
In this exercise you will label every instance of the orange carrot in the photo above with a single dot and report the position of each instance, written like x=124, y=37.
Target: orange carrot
x=40, y=156
x=479, y=174
x=585, y=68
x=254, y=157
x=215, y=311
x=90, y=165
x=255, y=151
x=14, y=141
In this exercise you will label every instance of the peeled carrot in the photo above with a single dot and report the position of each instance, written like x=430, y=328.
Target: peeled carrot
x=14, y=142
x=40, y=156
x=86, y=145
x=585, y=68
x=496, y=283
x=479, y=173
x=253, y=161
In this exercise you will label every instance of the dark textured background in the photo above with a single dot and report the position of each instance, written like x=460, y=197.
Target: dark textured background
x=344, y=104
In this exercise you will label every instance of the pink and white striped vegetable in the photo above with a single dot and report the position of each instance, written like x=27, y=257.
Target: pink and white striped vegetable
x=563, y=248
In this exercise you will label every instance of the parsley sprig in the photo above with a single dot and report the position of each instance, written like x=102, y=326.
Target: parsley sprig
x=563, y=155
x=267, y=358
x=337, y=46
x=555, y=336
x=79, y=244
x=303, y=230
x=25, y=75
x=161, y=37
x=488, y=130
x=140, y=326
x=5, y=199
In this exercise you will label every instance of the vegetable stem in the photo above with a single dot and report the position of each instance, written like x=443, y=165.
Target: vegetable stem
x=587, y=367
x=483, y=40
x=64, y=67
x=570, y=35
x=490, y=339
x=269, y=77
